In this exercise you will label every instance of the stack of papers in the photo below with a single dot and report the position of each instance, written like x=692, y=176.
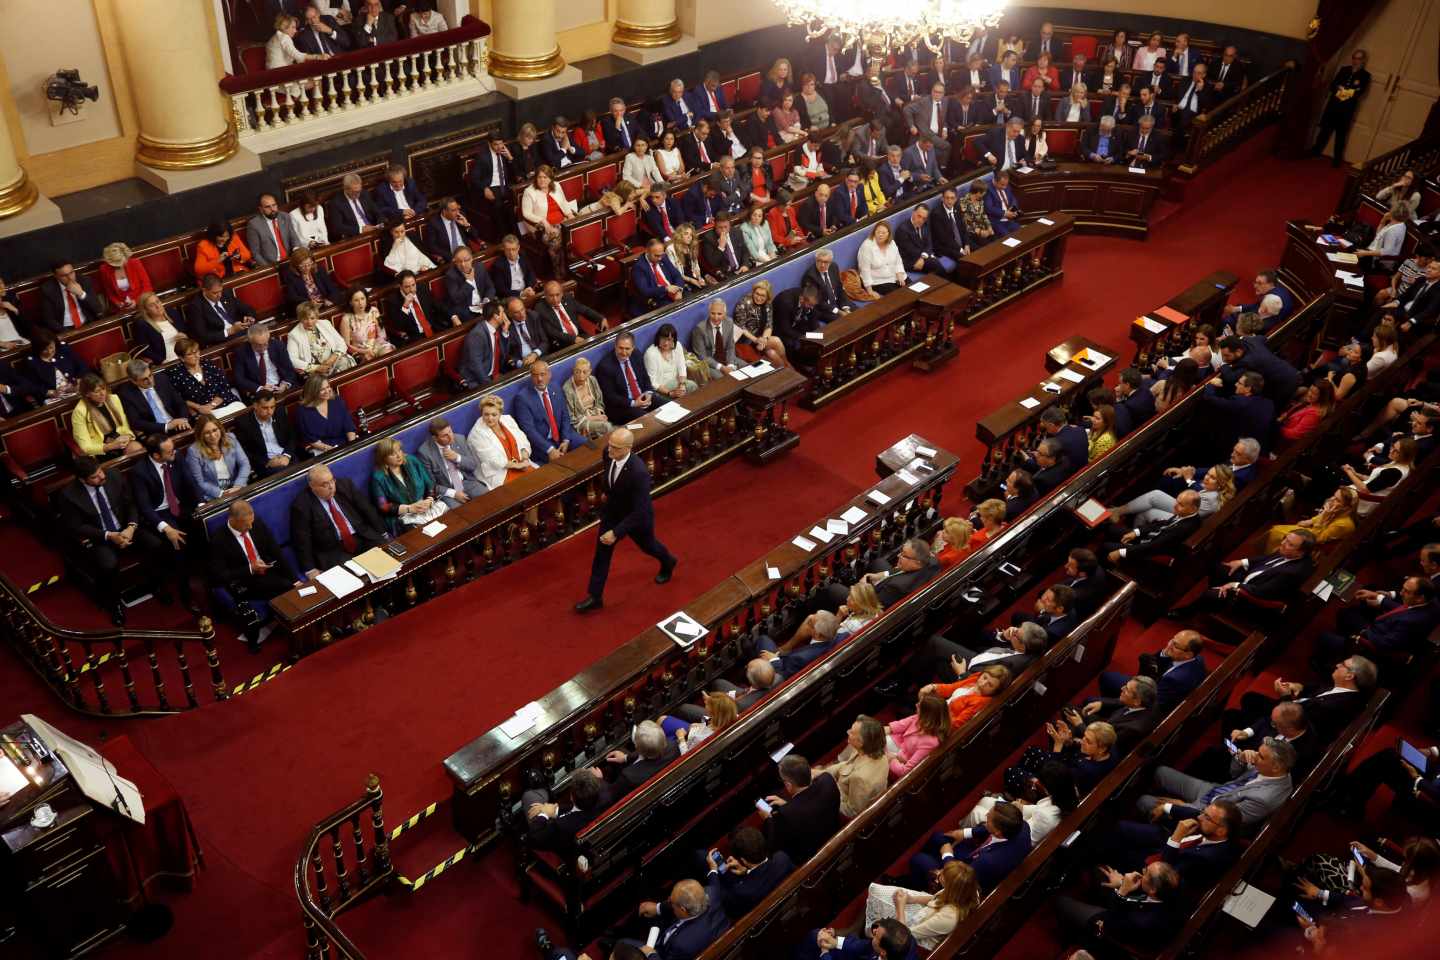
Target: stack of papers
x=523, y=720
x=838, y=527
x=1248, y=904
x=1024, y=169
x=1091, y=359
x=339, y=581
x=1351, y=279
x=1010, y=242
x=433, y=528
x=1030, y=403
x=759, y=368
x=1074, y=376
x=672, y=412
x=878, y=498
x=378, y=564
x=1153, y=326
x=1342, y=258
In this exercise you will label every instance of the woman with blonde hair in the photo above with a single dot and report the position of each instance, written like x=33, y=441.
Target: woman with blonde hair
x=755, y=323
x=1076, y=108
x=281, y=52
x=1335, y=521
x=1385, y=344
x=881, y=270
x=314, y=345
x=361, y=329
x=684, y=251
x=1378, y=483
x=861, y=606
x=216, y=463
x=323, y=420
x=779, y=80
x=952, y=543
x=122, y=278
x=543, y=207
x=1217, y=486
x=971, y=693
x=911, y=739
x=720, y=712
x=98, y=421
x=499, y=444
x=402, y=488
x=992, y=514
x=585, y=402
x=157, y=328
x=930, y=917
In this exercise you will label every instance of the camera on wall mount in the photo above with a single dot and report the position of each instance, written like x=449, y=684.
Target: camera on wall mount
x=64, y=87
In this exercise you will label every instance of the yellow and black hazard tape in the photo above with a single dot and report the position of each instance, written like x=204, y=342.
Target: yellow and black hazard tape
x=101, y=660
x=43, y=583
x=414, y=885
x=259, y=678
x=414, y=821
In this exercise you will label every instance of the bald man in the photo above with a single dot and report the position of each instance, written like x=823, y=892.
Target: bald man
x=331, y=522
x=628, y=512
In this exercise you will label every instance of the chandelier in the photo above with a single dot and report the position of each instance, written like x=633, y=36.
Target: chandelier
x=883, y=26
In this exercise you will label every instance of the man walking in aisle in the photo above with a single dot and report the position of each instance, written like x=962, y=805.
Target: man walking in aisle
x=628, y=512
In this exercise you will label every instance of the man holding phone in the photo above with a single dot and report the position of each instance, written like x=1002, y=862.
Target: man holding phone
x=247, y=565
x=1411, y=773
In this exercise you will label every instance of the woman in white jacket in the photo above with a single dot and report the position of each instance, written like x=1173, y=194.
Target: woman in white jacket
x=499, y=444
x=543, y=207
x=879, y=262
x=314, y=345
x=639, y=169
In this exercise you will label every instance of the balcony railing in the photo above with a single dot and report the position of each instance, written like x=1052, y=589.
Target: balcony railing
x=288, y=105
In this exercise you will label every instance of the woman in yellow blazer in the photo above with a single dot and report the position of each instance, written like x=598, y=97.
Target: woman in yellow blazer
x=98, y=422
x=1335, y=521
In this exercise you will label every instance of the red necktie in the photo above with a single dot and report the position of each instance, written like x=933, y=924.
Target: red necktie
x=260, y=362
x=74, y=305
x=172, y=502
x=494, y=353
x=420, y=318
x=822, y=217
x=704, y=157
x=279, y=243
x=565, y=323
x=631, y=384
x=347, y=537
x=853, y=206
x=250, y=553
x=659, y=274
x=714, y=107
x=550, y=415
x=719, y=345
x=665, y=221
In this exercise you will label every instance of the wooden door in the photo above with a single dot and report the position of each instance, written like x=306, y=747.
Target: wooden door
x=1401, y=39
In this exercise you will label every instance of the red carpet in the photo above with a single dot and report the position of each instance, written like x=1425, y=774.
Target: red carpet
x=400, y=697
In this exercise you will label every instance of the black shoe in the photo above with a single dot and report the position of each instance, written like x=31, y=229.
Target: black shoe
x=588, y=604
x=665, y=572
x=542, y=941
x=1178, y=613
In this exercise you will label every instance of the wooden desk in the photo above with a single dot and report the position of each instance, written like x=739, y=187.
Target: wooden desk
x=552, y=502
x=1305, y=271
x=1202, y=303
x=877, y=335
x=1102, y=198
x=997, y=273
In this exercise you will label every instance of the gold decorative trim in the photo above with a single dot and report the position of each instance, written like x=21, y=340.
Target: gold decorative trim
x=635, y=35
x=526, y=68
x=186, y=156
x=18, y=196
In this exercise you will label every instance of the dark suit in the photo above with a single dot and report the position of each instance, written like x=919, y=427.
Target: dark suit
x=652, y=224
x=698, y=207
x=832, y=290
x=1134, y=410
x=891, y=184
x=230, y=567
x=618, y=136
x=296, y=294
x=1281, y=379
x=810, y=218
x=1163, y=86
x=310, y=40
x=460, y=293
x=901, y=86
x=1090, y=591
x=699, y=100
x=383, y=31
x=690, y=154
x=404, y=324
x=247, y=431
x=1032, y=106
x=1236, y=417
x=677, y=112
x=88, y=549
x=1131, y=724
x=739, y=895
x=1187, y=107
x=628, y=512
x=312, y=532
x=611, y=378
x=1154, y=109
x=1154, y=145
x=203, y=318
x=1233, y=78
x=557, y=834
x=247, y=368
x=687, y=939
x=388, y=206
x=716, y=262
x=340, y=214
x=793, y=320
x=646, y=293
x=555, y=331
x=1272, y=577
x=555, y=154
x=529, y=413
x=947, y=231
x=841, y=202
x=806, y=822
x=482, y=172
x=500, y=272
x=994, y=146
x=478, y=367
x=149, y=492
x=1050, y=477
x=1159, y=538
x=22, y=393
x=54, y=312
x=1090, y=146
x=916, y=247
x=992, y=862
x=438, y=240
x=137, y=408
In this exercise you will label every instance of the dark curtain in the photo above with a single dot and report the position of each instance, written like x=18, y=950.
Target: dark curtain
x=1335, y=23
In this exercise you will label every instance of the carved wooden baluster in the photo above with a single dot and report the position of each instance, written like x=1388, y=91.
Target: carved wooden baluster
x=317, y=868
x=362, y=868
x=313, y=940
x=183, y=662
x=212, y=656
x=92, y=664
x=124, y=661
x=342, y=875
x=155, y=677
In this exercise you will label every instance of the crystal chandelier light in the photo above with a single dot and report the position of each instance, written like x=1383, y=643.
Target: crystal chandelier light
x=884, y=26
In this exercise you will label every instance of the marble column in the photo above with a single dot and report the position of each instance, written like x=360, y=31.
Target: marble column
x=17, y=193
x=646, y=23
x=523, y=42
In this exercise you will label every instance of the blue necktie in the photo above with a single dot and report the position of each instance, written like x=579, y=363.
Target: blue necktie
x=1228, y=788
x=156, y=407
x=107, y=516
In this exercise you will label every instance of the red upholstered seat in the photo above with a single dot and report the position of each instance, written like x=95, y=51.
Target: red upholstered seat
x=1085, y=45
x=602, y=178
x=34, y=445
x=350, y=266
x=417, y=374
x=168, y=268
x=780, y=167
x=454, y=352
x=587, y=238
x=262, y=293
x=747, y=89
x=620, y=229
x=1063, y=143
x=252, y=59
x=728, y=89
x=1368, y=214
x=974, y=146
x=368, y=391
x=93, y=348
x=573, y=185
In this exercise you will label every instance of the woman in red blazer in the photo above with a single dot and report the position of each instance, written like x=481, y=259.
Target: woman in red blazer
x=122, y=278
x=1043, y=70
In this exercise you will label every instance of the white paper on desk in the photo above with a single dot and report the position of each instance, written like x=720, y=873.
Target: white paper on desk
x=853, y=515
x=1074, y=376
x=1024, y=169
x=516, y=725
x=220, y=413
x=354, y=567
x=782, y=752
x=876, y=496
x=434, y=528
x=634, y=426
x=838, y=527
x=1093, y=359
x=925, y=451
x=739, y=374
x=759, y=368
x=919, y=286
x=803, y=544
x=672, y=412
x=814, y=335
x=339, y=581
x=772, y=572
x=1047, y=221
x=1010, y=242
x=1154, y=326
x=1324, y=589
x=1030, y=403
x=306, y=591
x=1050, y=388
x=1137, y=169
x=821, y=534
x=908, y=477
x=1248, y=904
x=91, y=771
x=531, y=709
x=1353, y=279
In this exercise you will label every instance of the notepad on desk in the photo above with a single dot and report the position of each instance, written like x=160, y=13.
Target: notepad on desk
x=339, y=581
x=1152, y=326
x=1010, y=242
x=1074, y=376
x=803, y=544
x=1342, y=258
x=434, y=528
x=853, y=515
x=821, y=534
x=837, y=527
x=1046, y=221
x=1030, y=403
x=877, y=497
x=739, y=374
x=1171, y=314
x=919, y=286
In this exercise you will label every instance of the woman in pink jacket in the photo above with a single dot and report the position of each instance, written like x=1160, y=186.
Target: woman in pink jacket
x=915, y=736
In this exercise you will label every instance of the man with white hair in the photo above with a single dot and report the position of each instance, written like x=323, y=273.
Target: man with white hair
x=1101, y=145
x=1266, y=282
x=675, y=108
x=824, y=276
x=351, y=211
x=331, y=521
x=652, y=751
x=1144, y=147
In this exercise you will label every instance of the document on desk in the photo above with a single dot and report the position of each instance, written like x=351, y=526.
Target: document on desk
x=1074, y=376
x=1342, y=258
x=876, y=497
x=772, y=573
x=908, y=477
x=672, y=412
x=1351, y=279
x=1248, y=904
x=759, y=368
x=682, y=628
x=1010, y=242
x=306, y=592
x=378, y=564
x=814, y=335
x=803, y=544
x=1030, y=403
x=339, y=581
x=434, y=528
x=1094, y=359
x=853, y=515
x=516, y=725
x=1153, y=326
x=1024, y=169
x=1046, y=221
x=1171, y=314
x=821, y=534
x=919, y=286
x=1137, y=170
x=837, y=527
x=739, y=374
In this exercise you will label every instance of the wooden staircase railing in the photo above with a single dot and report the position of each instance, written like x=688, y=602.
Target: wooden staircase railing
x=1214, y=133
x=1365, y=179
x=337, y=867
x=76, y=664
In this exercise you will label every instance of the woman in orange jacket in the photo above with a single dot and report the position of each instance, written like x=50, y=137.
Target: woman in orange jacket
x=222, y=253
x=970, y=694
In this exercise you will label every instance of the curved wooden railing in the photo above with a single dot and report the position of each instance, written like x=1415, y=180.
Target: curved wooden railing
x=1365, y=179
x=345, y=861
x=76, y=663
x=1216, y=131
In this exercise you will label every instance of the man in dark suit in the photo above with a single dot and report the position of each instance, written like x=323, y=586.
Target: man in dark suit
x=102, y=525
x=413, y=314
x=1142, y=908
x=721, y=256
x=706, y=98
x=917, y=252
x=1074, y=444
x=1282, y=380
x=248, y=570
x=847, y=202
x=1157, y=81
x=675, y=108
x=1090, y=583
x=824, y=276
x=1227, y=74
x=814, y=638
x=511, y=272
x=1194, y=98
x=331, y=521
x=947, y=228
x=165, y=500
x=1287, y=721
x=216, y=315
x=262, y=362
x=801, y=821
x=1148, y=105
x=321, y=34
x=556, y=147
x=623, y=382
x=1035, y=102
x=468, y=290
x=1050, y=466
x=1044, y=42
x=351, y=211
x=373, y=26
x=695, y=150
x=664, y=214
x=922, y=159
x=1329, y=706
x=1134, y=403
x=726, y=140
x=1245, y=413
x=18, y=392
x=1162, y=537
x=541, y=414
x=1143, y=147
x=914, y=566
x=895, y=180
x=813, y=214
x=942, y=660
x=1101, y=144
x=1419, y=304
x=69, y=302
x=1347, y=88
x=1388, y=626
x=748, y=874
x=398, y=196
x=488, y=185
x=1008, y=837
x=559, y=316
x=654, y=280
x=1077, y=72
x=756, y=130
x=906, y=85
x=553, y=827
x=700, y=204
x=688, y=922
x=731, y=191
x=619, y=131
x=1182, y=58
x=1177, y=670
x=1274, y=577
x=151, y=405
x=265, y=435
x=490, y=349
x=627, y=512
x=797, y=313
x=448, y=229
x=1004, y=147
x=1007, y=71
x=1131, y=714
x=627, y=771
